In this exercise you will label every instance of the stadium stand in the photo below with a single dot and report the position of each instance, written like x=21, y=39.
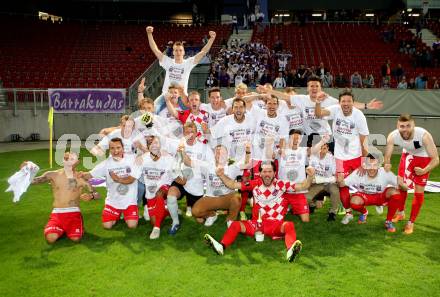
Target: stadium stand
x=38, y=54
x=343, y=47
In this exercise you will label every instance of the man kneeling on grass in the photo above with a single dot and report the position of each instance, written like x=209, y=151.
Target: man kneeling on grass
x=67, y=186
x=269, y=204
x=375, y=187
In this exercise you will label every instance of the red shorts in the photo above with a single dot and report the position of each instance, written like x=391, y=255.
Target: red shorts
x=156, y=207
x=374, y=199
x=164, y=189
x=70, y=223
x=113, y=214
x=298, y=203
x=348, y=166
x=413, y=161
x=270, y=228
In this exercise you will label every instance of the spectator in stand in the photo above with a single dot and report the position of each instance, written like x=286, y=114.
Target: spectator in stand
x=283, y=59
x=386, y=69
x=402, y=84
x=266, y=78
x=302, y=78
x=436, y=52
x=341, y=81
x=211, y=81
x=411, y=84
x=386, y=82
x=356, y=80
x=234, y=24
x=238, y=79
x=224, y=79
x=279, y=82
x=252, y=19
x=292, y=78
x=368, y=81
x=421, y=82
x=398, y=72
x=278, y=45
x=435, y=84
x=322, y=71
x=327, y=80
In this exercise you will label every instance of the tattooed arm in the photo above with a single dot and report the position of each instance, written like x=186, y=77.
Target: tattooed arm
x=46, y=177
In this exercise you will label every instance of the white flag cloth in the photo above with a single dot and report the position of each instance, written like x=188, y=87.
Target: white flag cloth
x=20, y=181
x=431, y=187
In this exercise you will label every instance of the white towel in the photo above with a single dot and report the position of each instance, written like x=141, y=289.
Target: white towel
x=20, y=181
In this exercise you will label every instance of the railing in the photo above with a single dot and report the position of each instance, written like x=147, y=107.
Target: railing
x=153, y=78
x=15, y=99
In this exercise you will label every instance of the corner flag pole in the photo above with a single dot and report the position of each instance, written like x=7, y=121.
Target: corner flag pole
x=50, y=121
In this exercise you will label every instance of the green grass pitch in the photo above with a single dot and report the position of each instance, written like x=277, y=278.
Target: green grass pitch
x=337, y=260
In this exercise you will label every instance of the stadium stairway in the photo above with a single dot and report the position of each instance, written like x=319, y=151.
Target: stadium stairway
x=244, y=35
x=428, y=37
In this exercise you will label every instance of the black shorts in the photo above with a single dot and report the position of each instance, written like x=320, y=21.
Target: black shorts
x=190, y=198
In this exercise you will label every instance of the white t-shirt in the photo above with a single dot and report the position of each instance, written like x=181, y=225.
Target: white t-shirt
x=156, y=173
x=346, y=131
x=234, y=135
x=295, y=118
x=413, y=146
x=214, y=185
x=266, y=130
x=325, y=167
x=119, y=196
x=176, y=73
x=214, y=115
x=196, y=152
x=307, y=106
x=127, y=142
x=173, y=125
x=292, y=165
x=279, y=82
x=368, y=185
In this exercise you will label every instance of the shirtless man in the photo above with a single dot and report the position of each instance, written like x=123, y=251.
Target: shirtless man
x=67, y=187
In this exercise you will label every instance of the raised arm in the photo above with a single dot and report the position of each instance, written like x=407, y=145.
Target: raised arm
x=170, y=106
x=206, y=48
x=280, y=95
x=153, y=45
x=141, y=89
x=231, y=184
x=388, y=152
x=317, y=147
x=44, y=178
x=319, y=111
x=372, y=104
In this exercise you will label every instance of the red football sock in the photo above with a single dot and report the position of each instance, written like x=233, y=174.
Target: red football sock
x=404, y=195
x=344, y=193
x=393, y=204
x=160, y=211
x=359, y=207
x=416, y=205
x=231, y=234
x=290, y=234
x=244, y=199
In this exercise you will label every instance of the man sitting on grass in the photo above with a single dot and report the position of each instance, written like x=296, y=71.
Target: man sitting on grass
x=270, y=204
